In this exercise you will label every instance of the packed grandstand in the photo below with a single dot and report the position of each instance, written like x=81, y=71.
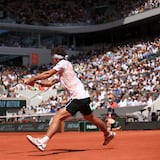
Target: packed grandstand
x=126, y=72
x=51, y=12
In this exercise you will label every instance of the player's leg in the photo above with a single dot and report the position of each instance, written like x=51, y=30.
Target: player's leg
x=61, y=115
x=96, y=121
x=85, y=109
x=108, y=136
x=41, y=143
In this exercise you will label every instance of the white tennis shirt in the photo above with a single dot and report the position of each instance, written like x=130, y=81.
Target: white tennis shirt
x=70, y=81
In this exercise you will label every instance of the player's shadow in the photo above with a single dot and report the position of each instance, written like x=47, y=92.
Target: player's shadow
x=61, y=151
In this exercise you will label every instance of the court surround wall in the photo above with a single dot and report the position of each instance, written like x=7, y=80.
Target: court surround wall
x=74, y=125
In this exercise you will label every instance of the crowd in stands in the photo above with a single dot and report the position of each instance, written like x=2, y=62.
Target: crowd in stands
x=130, y=72
x=52, y=12
x=126, y=75
x=119, y=76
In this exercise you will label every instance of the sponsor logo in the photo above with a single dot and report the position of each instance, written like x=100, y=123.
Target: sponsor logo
x=91, y=126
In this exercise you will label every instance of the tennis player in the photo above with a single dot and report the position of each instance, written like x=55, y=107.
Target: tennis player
x=79, y=99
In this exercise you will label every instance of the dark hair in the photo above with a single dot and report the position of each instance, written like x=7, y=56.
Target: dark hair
x=59, y=50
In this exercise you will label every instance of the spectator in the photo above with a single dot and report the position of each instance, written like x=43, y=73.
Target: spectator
x=148, y=118
x=123, y=102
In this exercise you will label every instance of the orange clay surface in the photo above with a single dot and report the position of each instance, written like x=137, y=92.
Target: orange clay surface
x=128, y=145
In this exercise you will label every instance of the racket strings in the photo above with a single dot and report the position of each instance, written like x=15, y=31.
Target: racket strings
x=18, y=79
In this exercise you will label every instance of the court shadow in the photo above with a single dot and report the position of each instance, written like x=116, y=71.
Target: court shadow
x=58, y=151
x=61, y=151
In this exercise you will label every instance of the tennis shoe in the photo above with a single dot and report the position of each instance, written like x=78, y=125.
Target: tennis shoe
x=108, y=138
x=37, y=143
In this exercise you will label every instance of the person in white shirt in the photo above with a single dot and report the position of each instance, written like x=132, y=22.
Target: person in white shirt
x=149, y=114
x=123, y=102
x=79, y=98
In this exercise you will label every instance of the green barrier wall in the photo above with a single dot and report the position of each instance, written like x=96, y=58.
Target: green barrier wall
x=71, y=125
x=82, y=126
x=87, y=126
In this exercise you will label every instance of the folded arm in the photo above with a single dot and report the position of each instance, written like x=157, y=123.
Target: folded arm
x=41, y=76
x=47, y=83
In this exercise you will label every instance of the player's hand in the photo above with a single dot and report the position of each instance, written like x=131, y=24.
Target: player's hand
x=29, y=81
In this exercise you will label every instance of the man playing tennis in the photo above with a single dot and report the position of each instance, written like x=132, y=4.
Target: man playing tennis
x=79, y=99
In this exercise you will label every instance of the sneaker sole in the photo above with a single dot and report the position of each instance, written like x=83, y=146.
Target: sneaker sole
x=29, y=139
x=109, y=139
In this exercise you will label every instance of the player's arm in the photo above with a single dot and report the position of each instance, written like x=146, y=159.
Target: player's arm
x=47, y=83
x=41, y=76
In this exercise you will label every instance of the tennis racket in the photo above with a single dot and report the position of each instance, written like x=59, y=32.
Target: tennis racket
x=10, y=81
x=19, y=79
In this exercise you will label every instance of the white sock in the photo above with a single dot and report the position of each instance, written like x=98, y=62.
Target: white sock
x=45, y=139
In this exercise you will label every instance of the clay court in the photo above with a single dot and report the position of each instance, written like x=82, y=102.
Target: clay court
x=128, y=145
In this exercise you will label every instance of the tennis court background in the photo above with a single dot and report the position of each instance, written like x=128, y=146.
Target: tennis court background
x=128, y=145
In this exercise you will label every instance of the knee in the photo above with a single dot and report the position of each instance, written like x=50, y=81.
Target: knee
x=57, y=117
x=60, y=115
